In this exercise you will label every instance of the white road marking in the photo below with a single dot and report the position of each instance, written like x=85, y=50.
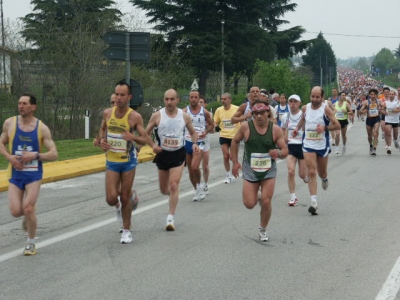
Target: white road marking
x=391, y=286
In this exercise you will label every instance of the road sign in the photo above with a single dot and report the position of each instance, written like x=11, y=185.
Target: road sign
x=132, y=46
x=136, y=54
x=118, y=38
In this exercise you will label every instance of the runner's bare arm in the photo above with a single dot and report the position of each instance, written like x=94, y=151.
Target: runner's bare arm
x=239, y=114
x=280, y=142
x=334, y=124
x=52, y=153
x=234, y=153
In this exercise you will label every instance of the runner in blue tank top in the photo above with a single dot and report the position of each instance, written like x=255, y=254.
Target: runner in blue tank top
x=25, y=136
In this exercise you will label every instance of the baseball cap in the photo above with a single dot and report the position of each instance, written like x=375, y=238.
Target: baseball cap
x=295, y=97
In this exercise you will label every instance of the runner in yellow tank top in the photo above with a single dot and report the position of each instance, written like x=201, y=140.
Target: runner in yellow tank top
x=342, y=111
x=115, y=137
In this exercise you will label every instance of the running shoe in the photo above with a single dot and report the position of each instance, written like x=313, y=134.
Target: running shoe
x=333, y=143
x=389, y=150
x=202, y=193
x=205, y=188
x=396, y=144
x=126, y=237
x=373, y=152
x=118, y=212
x=134, y=200
x=325, y=184
x=370, y=150
x=262, y=235
x=30, y=249
x=293, y=202
x=196, y=196
x=306, y=179
x=228, y=179
x=337, y=150
x=170, y=225
x=383, y=135
x=343, y=150
x=313, y=208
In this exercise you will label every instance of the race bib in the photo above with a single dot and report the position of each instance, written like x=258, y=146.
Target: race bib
x=32, y=166
x=339, y=114
x=373, y=112
x=299, y=135
x=313, y=135
x=117, y=143
x=260, y=162
x=390, y=111
x=228, y=124
x=171, y=142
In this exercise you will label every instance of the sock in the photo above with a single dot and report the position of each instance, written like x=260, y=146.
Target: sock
x=198, y=185
x=228, y=174
x=125, y=230
x=313, y=198
x=293, y=196
x=30, y=241
x=170, y=218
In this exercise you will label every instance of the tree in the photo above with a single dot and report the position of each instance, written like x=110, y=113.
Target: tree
x=322, y=60
x=66, y=58
x=278, y=74
x=397, y=52
x=194, y=29
x=384, y=61
x=362, y=64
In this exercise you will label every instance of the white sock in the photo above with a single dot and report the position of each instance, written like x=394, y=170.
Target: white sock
x=125, y=230
x=293, y=196
x=313, y=198
x=170, y=218
x=228, y=174
x=30, y=241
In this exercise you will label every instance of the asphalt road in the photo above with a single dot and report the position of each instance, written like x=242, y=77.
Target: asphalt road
x=346, y=252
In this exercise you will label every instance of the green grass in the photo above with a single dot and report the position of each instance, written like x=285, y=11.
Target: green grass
x=68, y=149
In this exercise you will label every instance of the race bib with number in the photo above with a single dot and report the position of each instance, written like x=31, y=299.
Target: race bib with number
x=313, y=135
x=117, y=143
x=171, y=142
x=260, y=162
x=373, y=112
x=390, y=111
x=228, y=124
x=30, y=166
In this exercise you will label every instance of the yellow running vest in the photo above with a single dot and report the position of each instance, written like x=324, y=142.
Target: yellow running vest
x=121, y=150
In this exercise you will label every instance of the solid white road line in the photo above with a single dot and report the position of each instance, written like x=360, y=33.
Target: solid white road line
x=391, y=286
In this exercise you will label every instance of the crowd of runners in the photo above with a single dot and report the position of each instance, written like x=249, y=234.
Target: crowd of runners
x=270, y=126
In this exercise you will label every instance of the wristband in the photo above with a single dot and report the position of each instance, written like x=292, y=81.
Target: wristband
x=38, y=156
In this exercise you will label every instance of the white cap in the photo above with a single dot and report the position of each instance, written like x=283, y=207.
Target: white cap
x=295, y=97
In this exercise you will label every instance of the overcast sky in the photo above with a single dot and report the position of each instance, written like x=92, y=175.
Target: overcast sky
x=341, y=22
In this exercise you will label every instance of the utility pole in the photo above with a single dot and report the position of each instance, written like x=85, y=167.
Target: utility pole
x=320, y=66
x=3, y=45
x=223, y=59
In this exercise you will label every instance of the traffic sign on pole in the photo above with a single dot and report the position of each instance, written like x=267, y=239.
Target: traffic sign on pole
x=136, y=54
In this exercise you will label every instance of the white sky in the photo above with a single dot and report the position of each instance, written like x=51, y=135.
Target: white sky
x=340, y=17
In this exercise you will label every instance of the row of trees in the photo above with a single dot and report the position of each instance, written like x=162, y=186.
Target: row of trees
x=59, y=53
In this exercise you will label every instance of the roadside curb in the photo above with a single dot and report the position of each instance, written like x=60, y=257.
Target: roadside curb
x=60, y=170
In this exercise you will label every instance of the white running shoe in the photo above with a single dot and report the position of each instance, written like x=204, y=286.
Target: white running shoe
x=389, y=150
x=396, y=144
x=337, y=150
x=202, y=193
x=262, y=235
x=126, y=237
x=313, y=208
x=343, y=150
x=170, y=225
x=228, y=179
x=293, y=202
x=205, y=188
x=196, y=196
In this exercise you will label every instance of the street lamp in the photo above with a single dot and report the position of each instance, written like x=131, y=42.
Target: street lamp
x=222, y=64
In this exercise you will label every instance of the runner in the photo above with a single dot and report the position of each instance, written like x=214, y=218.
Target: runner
x=391, y=112
x=343, y=110
x=26, y=136
x=261, y=137
x=203, y=124
x=333, y=100
x=207, y=147
x=171, y=122
x=243, y=113
x=281, y=109
x=353, y=105
x=227, y=130
x=289, y=123
x=384, y=98
x=315, y=119
x=372, y=108
x=117, y=139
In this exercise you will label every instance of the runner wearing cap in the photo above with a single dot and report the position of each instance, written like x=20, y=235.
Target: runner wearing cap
x=289, y=123
x=261, y=137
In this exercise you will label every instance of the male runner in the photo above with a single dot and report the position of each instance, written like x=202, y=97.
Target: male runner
x=261, y=138
x=26, y=136
x=342, y=111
